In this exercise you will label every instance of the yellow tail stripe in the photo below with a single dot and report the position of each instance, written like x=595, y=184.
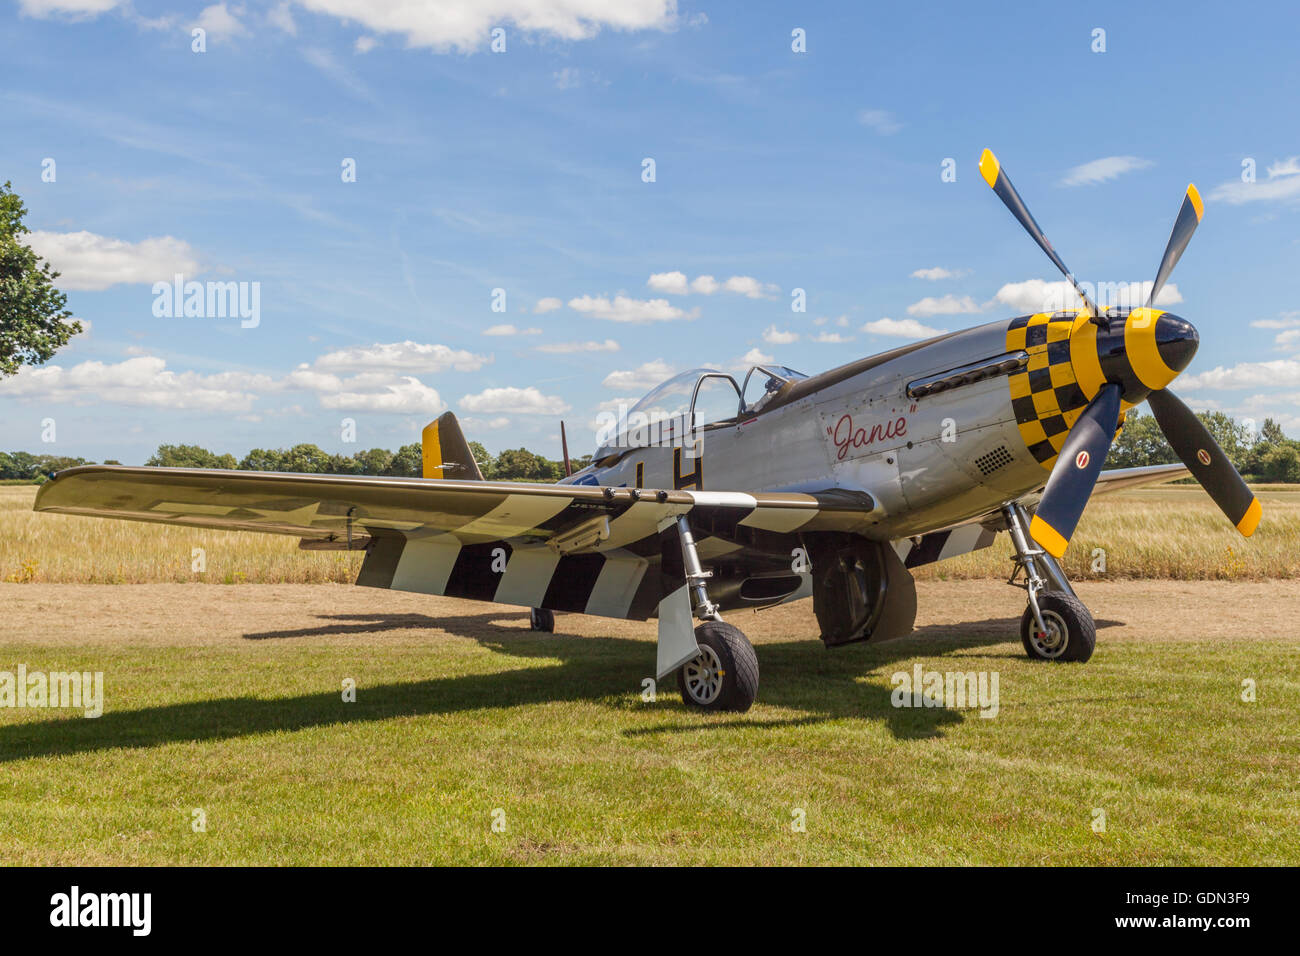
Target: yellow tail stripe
x=1142, y=350
x=1250, y=521
x=1048, y=537
x=431, y=451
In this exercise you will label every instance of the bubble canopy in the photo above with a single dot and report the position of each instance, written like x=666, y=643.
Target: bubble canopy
x=712, y=395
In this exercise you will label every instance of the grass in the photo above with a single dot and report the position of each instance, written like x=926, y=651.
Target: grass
x=452, y=724
x=1163, y=532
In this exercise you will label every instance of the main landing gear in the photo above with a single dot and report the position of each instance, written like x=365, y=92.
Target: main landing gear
x=724, y=675
x=1055, y=626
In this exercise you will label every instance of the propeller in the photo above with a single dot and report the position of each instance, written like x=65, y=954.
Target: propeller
x=1000, y=183
x=1159, y=337
x=1075, y=472
x=1193, y=444
x=1189, y=217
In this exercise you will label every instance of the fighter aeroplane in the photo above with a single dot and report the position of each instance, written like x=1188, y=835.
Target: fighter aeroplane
x=832, y=485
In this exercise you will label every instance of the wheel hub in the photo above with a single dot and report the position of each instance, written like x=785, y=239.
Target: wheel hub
x=703, y=676
x=1050, y=643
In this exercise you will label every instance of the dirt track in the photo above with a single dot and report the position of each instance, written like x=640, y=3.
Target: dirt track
x=166, y=614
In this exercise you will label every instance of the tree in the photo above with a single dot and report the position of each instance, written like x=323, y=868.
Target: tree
x=487, y=465
x=408, y=462
x=33, y=318
x=1282, y=464
x=1140, y=443
x=188, y=456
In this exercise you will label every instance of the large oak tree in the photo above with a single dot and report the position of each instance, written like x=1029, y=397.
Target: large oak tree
x=33, y=318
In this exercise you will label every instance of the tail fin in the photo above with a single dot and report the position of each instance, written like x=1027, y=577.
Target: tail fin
x=445, y=452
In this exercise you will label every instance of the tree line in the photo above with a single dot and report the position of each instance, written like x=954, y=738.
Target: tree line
x=1265, y=454
x=513, y=464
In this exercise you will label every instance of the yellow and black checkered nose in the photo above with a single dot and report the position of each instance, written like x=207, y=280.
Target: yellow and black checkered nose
x=1071, y=358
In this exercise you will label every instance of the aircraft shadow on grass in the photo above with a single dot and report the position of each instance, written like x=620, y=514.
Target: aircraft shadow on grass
x=802, y=676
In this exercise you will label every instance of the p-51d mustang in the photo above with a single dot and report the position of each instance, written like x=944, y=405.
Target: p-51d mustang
x=832, y=486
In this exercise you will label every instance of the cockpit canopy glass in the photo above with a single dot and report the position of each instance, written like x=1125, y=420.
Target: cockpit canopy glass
x=664, y=414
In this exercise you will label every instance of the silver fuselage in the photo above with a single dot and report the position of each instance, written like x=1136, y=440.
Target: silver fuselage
x=927, y=462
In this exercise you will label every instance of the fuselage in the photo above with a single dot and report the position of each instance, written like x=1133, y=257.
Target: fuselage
x=937, y=433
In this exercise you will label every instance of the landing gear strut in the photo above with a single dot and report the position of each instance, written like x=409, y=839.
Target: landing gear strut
x=724, y=675
x=1055, y=626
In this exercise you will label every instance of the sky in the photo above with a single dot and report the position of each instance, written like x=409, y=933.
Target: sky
x=533, y=210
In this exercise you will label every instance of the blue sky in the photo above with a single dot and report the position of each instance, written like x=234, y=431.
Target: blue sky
x=523, y=171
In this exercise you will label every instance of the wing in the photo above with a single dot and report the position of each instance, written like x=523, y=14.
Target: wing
x=1117, y=479
x=566, y=547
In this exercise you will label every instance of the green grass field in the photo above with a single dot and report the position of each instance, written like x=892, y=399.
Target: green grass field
x=228, y=699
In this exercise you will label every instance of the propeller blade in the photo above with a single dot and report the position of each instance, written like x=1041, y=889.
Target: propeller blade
x=1000, y=183
x=1198, y=450
x=1075, y=472
x=1189, y=217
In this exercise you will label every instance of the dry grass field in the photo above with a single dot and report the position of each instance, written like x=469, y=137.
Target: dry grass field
x=1171, y=531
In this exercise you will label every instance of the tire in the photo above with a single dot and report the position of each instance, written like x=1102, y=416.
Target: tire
x=1065, y=616
x=725, y=675
x=541, y=619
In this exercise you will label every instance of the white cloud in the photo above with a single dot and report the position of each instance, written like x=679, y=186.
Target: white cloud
x=900, y=328
x=1040, y=295
x=364, y=44
x=1103, y=170
x=1279, y=373
x=1283, y=184
x=91, y=262
x=624, y=309
x=405, y=356
x=74, y=9
x=1285, y=167
x=882, y=121
x=1288, y=330
x=509, y=330
x=465, y=25
x=281, y=16
x=1287, y=320
x=567, y=78
x=140, y=381
x=407, y=395
x=220, y=22
x=749, y=287
x=675, y=283
x=756, y=356
x=521, y=401
x=831, y=338
x=566, y=348
x=485, y=424
x=548, y=304
x=938, y=272
x=672, y=283
x=643, y=377
x=945, y=305
x=773, y=336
